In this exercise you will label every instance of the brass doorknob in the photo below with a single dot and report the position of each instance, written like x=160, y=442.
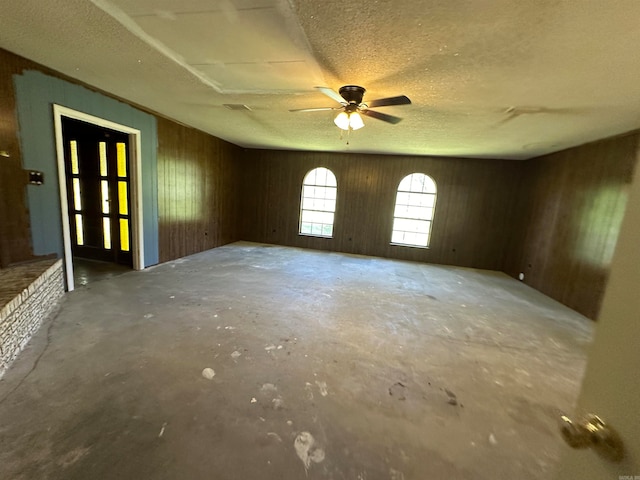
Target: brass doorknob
x=592, y=432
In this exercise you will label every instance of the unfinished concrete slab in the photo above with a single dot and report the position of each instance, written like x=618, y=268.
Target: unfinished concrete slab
x=260, y=362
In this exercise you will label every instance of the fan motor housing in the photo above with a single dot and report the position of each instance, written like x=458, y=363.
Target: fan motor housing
x=352, y=93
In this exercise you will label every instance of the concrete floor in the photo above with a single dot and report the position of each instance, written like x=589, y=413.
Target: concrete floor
x=87, y=271
x=326, y=366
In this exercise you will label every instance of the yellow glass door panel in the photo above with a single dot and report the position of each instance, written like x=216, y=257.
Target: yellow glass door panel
x=97, y=169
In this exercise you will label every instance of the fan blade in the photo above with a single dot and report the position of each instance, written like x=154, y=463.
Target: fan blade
x=381, y=116
x=332, y=94
x=320, y=109
x=383, y=102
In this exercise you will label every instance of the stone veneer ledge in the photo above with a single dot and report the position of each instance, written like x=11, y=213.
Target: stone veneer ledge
x=21, y=317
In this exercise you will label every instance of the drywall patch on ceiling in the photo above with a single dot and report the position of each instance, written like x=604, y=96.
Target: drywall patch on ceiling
x=143, y=7
x=261, y=77
x=463, y=64
x=236, y=106
x=237, y=46
x=133, y=27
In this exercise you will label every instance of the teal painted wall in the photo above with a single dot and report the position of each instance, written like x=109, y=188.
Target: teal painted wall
x=36, y=93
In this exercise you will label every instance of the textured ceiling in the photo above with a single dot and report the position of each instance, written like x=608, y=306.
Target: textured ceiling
x=487, y=78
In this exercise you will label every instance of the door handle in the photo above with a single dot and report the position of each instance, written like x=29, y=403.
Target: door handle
x=592, y=432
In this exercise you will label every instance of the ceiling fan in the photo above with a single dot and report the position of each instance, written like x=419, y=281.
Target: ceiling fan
x=514, y=112
x=352, y=106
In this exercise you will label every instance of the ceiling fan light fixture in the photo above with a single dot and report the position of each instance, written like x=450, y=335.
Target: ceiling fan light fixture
x=349, y=121
x=350, y=98
x=342, y=120
x=355, y=121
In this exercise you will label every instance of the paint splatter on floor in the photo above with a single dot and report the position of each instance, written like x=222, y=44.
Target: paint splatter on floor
x=395, y=474
x=322, y=386
x=307, y=450
x=73, y=456
x=307, y=387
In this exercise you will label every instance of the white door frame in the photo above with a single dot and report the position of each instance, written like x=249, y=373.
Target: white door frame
x=135, y=158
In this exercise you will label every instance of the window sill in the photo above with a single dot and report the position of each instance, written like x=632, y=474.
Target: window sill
x=409, y=246
x=314, y=235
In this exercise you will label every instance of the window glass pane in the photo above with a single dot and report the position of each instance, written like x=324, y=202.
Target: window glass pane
x=421, y=239
x=308, y=192
x=423, y=213
x=79, y=230
x=403, y=198
x=318, y=202
x=124, y=234
x=102, y=148
x=416, y=182
x=397, y=237
x=106, y=230
x=415, y=198
x=320, y=192
x=429, y=185
x=307, y=216
x=123, y=201
x=414, y=209
x=310, y=178
x=403, y=225
x=104, y=189
x=400, y=211
x=313, y=216
x=74, y=157
x=121, y=154
x=405, y=184
x=325, y=217
x=77, y=200
x=428, y=199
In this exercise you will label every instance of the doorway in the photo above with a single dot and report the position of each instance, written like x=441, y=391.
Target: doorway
x=98, y=165
x=98, y=192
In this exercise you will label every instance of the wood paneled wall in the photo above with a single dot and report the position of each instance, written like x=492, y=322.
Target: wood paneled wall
x=570, y=209
x=555, y=218
x=198, y=198
x=197, y=176
x=15, y=235
x=471, y=224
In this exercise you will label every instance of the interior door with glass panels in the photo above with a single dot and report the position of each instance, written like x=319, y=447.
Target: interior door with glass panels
x=98, y=191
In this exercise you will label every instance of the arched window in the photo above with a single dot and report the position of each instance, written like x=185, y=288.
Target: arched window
x=413, y=214
x=318, y=203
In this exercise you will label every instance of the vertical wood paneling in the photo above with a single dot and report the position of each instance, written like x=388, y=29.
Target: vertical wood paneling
x=570, y=210
x=197, y=191
x=472, y=216
x=192, y=220
x=15, y=235
x=555, y=218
